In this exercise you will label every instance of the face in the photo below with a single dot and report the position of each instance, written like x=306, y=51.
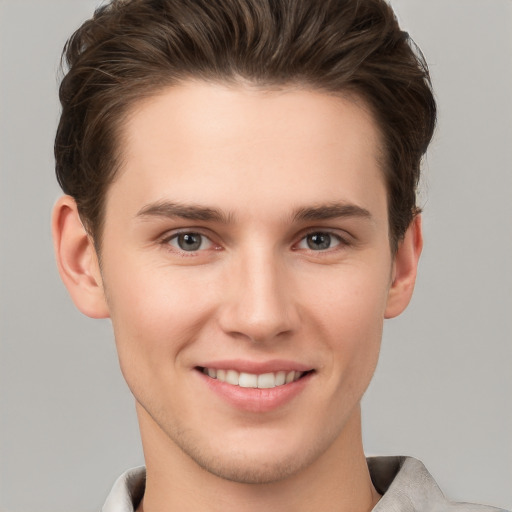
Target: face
x=247, y=267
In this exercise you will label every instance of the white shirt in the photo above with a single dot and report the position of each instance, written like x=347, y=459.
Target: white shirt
x=404, y=482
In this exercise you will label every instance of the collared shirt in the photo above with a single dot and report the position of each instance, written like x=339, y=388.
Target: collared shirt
x=404, y=482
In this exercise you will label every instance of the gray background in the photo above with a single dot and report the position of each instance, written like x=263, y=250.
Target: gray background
x=443, y=387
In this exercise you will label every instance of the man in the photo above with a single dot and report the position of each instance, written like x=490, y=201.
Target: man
x=240, y=183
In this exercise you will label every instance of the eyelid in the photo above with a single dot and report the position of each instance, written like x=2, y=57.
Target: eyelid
x=344, y=240
x=166, y=238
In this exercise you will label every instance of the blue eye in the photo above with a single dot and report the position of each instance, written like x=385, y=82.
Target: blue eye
x=190, y=242
x=319, y=241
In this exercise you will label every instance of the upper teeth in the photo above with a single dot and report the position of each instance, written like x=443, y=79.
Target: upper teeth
x=251, y=380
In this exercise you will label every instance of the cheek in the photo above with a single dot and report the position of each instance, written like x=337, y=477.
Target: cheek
x=349, y=298
x=155, y=315
x=350, y=312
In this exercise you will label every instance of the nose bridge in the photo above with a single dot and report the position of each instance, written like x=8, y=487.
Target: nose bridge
x=258, y=304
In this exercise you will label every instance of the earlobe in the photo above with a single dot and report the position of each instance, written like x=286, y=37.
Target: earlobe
x=404, y=269
x=77, y=260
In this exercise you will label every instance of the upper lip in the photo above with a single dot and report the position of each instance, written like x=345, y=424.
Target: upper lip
x=256, y=367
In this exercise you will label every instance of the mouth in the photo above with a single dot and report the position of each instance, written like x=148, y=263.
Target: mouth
x=252, y=380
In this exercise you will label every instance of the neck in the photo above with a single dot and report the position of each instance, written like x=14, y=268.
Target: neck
x=338, y=481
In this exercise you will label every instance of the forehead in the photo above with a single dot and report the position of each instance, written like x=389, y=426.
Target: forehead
x=249, y=149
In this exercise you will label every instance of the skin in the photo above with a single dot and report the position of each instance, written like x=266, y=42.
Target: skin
x=276, y=168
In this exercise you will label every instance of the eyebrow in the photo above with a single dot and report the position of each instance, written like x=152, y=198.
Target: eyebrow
x=185, y=211
x=171, y=210
x=331, y=211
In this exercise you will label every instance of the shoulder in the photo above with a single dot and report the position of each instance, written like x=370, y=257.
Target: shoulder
x=407, y=486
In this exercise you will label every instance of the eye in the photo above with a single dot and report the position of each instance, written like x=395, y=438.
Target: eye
x=319, y=241
x=190, y=242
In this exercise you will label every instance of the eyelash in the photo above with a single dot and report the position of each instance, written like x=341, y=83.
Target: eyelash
x=341, y=242
x=175, y=236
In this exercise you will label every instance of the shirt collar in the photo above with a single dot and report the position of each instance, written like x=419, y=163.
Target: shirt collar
x=404, y=482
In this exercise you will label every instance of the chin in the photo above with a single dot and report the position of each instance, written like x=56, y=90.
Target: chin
x=254, y=460
x=248, y=469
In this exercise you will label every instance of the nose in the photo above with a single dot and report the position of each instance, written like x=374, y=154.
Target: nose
x=259, y=304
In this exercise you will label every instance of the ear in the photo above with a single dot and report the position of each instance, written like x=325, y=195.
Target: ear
x=404, y=270
x=77, y=260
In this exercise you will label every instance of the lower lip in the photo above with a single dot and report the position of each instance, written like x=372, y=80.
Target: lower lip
x=253, y=399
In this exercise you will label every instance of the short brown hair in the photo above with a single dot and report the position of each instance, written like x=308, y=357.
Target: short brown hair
x=131, y=49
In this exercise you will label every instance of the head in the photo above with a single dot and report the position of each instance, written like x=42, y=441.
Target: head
x=131, y=50
x=246, y=173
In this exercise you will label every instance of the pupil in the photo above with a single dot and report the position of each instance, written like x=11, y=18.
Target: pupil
x=319, y=241
x=189, y=241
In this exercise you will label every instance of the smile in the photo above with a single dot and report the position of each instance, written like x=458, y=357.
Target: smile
x=251, y=380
